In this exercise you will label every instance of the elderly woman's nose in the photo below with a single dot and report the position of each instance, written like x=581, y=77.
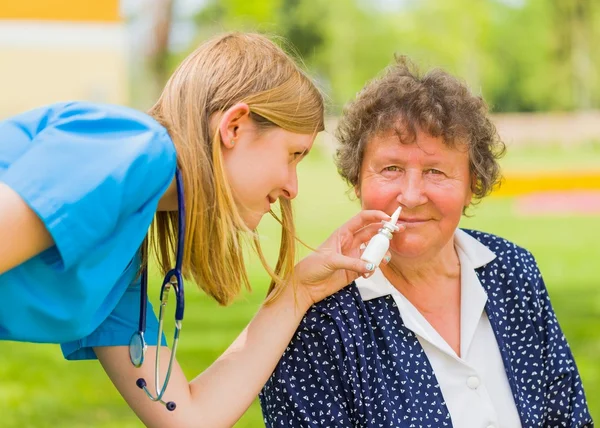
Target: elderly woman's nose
x=411, y=192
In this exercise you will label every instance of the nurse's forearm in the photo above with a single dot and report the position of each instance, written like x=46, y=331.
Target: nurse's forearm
x=221, y=394
x=228, y=387
x=22, y=233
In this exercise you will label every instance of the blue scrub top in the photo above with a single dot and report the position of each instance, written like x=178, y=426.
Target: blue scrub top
x=94, y=174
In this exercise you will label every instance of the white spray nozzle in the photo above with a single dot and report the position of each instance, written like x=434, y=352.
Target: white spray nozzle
x=396, y=215
x=391, y=225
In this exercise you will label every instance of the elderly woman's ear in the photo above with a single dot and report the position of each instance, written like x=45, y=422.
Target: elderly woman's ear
x=469, y=196
x=472, y=191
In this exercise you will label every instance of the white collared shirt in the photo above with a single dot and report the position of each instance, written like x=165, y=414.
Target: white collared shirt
x=475, y=386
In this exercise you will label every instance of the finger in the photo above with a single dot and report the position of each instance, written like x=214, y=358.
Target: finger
x=339, y=261
x=365, y=218
x=387, y=258
x=365, y=234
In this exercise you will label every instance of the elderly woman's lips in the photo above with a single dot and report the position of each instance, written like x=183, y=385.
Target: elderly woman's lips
x=412, y=220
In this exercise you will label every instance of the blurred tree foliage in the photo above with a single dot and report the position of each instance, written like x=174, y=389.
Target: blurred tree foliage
x=521, y=55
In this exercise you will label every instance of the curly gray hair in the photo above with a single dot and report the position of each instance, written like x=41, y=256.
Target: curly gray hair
x=437, y=103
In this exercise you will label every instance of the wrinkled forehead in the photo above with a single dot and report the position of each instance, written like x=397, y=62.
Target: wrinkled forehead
x=402, y=138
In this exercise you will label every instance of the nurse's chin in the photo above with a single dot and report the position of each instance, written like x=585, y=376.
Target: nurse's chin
x=253, y=219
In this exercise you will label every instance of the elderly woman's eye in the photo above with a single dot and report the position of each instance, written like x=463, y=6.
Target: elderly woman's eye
x=434, y=171
x=391, y=168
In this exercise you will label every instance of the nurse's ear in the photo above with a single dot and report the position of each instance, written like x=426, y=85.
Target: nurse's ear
x=233, y=122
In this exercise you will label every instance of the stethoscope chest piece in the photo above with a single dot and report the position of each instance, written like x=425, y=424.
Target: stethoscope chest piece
x=137, y=349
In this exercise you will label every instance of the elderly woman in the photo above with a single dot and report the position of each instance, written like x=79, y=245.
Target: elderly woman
x=457, y=329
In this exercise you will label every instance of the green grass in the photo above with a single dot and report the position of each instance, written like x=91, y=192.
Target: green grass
x=553, y=157
x=39, y=389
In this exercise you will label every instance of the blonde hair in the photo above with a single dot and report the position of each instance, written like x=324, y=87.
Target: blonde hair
x=225, y=70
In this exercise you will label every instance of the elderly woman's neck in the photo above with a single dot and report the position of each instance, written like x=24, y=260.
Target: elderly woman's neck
x=430, y=270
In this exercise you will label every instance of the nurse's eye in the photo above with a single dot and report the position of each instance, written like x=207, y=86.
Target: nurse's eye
x=297, y=156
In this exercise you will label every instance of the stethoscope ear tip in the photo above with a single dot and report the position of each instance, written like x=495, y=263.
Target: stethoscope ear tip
x=141, y=383
x=171, y=406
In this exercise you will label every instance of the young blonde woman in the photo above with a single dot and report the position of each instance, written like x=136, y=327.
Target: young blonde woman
x=80, y=185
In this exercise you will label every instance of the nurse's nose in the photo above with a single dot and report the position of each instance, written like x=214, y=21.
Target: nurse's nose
x=290, y=190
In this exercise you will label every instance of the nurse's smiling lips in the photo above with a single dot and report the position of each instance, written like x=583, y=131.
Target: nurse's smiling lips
x=270, y=201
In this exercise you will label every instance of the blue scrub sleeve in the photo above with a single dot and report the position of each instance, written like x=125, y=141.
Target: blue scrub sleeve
x=89, y=168
x=118, y=328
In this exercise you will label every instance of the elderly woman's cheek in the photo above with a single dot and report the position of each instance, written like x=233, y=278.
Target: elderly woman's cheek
x=379, y=195
x=448, y=202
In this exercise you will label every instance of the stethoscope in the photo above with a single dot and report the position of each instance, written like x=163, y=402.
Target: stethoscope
x=174, y=278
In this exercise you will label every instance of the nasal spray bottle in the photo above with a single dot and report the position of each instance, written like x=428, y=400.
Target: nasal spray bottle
x=379, y=244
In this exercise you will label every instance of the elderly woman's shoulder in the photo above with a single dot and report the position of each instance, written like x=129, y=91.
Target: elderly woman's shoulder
x=510, y=269
x=506, y=252
x=335, y=310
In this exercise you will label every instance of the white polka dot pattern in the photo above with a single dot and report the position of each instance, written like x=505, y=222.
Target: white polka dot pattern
x=353, y=363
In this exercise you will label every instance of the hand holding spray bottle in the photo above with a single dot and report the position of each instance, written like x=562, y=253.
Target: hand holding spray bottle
x=379, y=244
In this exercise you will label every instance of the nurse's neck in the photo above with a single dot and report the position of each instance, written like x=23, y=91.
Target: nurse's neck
x=168, y=201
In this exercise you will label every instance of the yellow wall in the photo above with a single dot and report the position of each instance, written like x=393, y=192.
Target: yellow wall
x=58, y=50
x=516, y=184
x=61, y=10
x=40, y=76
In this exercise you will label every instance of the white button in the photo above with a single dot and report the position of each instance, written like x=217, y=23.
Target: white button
x=473, y=382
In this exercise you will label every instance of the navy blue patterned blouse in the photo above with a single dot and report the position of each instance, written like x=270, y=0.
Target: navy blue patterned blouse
x=353, y=363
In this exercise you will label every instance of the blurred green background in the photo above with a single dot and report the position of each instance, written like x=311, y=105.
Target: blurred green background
x=39, y=389
x=535, y=61
x=523, y=55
